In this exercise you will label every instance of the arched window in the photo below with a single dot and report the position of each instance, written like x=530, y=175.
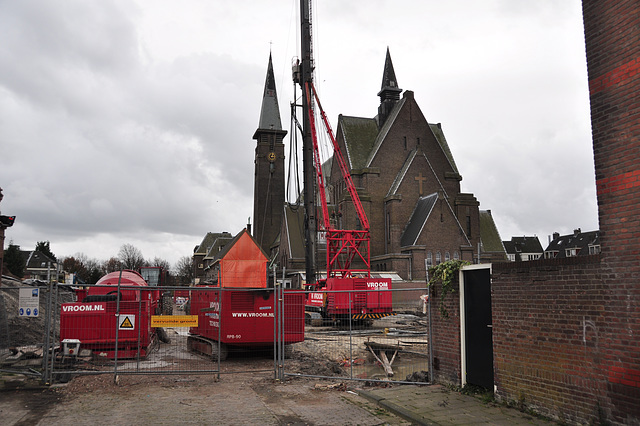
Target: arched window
x=456, y=256
x=447, y=256
x=429, y=260
x=438, y=258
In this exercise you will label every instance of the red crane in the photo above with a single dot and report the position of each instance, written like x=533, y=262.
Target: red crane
x=349, y=291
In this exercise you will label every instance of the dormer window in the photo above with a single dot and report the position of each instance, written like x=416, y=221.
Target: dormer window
x=571, y=252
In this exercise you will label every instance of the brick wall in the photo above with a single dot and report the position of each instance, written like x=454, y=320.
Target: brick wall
x=612, y=36
x=548, y=340
x=445, y=336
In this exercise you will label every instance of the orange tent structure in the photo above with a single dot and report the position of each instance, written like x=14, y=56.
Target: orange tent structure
x=242, y=263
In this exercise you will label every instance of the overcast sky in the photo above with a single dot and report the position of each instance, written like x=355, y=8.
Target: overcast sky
x=131, y=122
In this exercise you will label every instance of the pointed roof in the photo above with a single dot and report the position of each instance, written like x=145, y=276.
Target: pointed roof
x=489, y=235
x=389, y=88
x=270, y=112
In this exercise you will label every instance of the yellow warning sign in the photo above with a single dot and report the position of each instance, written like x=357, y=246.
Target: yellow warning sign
x=126, y=322
x=174, y=320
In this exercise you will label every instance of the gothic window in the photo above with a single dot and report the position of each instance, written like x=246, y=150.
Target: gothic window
x=447, y=256
x=388, y=226
x=438, y=258
x=456, y=256
x=429, y=260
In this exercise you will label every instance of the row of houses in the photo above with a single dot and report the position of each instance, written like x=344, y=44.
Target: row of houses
x=577, y=244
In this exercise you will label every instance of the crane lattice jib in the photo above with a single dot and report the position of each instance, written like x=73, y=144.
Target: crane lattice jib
x=343, y=167
x=316, y=159
x=343, y=246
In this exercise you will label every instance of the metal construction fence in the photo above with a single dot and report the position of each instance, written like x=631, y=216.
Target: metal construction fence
x=209, y=330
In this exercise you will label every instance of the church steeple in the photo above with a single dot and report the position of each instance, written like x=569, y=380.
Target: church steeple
x=268, y=189
x=389, y=92
x=270, y=112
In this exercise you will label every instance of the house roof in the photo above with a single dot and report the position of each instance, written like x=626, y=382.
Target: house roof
x=208, y=241
x=523, y=245
x=578, y=240
x=36, y=259
x=218, y=244
x=489, y=235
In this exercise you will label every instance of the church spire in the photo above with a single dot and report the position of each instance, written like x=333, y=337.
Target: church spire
x=269, y=189
x=270, y=112
x=389, y=92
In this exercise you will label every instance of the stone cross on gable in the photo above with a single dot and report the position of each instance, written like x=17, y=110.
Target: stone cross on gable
x=420, y=179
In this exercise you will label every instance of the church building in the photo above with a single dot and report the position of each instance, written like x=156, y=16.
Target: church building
x=409, y=185
x=407, y=180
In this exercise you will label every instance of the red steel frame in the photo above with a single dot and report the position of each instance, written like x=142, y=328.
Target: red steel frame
x=343, y=245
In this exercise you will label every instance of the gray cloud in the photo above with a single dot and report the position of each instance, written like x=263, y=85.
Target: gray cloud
x=131, y=122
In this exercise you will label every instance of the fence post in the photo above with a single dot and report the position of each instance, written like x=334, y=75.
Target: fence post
x=275, y=326
x=115, y=357
x=350, y=339
x=47, y=336
x=221, y=306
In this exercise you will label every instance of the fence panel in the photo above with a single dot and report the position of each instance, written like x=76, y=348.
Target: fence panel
x=26, y=328
x=152, y=330
x=367, y=347
x=170, y=330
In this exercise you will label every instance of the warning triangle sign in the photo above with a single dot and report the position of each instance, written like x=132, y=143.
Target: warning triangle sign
x=126, y=323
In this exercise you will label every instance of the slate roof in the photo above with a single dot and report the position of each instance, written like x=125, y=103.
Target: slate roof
x=419, y=217
x=578, y=240
x=439, y=134
x=208, y=241
x=523, y=245
x=384, y=130
x=36, y=259
x=359, y=135
x=489, y=235
x=218, y=244
x=363, y=140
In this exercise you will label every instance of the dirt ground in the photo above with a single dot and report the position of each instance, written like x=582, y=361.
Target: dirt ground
x=242, y=398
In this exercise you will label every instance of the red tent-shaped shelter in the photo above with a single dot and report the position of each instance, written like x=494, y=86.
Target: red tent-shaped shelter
x=242, y=263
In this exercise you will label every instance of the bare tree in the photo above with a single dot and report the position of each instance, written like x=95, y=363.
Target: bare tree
x=131, y=257
x=111, y=265
x=164, y=264
x=184, y=270
x=86, y=270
